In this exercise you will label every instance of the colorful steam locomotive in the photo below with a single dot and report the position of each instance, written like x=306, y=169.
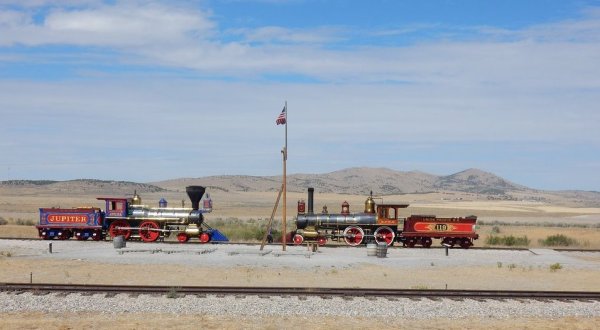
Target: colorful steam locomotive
x=127, y=217
x=381, y=223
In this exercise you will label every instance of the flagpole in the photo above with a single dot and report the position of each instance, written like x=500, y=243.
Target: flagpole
x=284, y=225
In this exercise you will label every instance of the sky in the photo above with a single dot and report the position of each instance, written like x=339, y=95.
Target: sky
x=152, y=90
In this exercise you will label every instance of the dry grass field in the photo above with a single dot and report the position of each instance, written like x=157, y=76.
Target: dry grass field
x=167, y=321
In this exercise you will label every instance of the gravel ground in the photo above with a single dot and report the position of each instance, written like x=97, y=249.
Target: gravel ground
x=311, y=306
x=233, y=255
x=194, y=264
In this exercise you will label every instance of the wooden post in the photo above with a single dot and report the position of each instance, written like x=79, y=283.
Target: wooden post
x=264, y=240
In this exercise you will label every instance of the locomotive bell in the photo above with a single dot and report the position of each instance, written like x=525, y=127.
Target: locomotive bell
x=370, y=205
x=137, y=200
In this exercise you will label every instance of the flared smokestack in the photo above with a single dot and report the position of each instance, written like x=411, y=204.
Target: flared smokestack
x=195, y=193
x=311, y=193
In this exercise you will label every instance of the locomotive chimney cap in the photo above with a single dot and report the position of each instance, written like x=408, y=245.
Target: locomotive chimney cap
x=195, y=194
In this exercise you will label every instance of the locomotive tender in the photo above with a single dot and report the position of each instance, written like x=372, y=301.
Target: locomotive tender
x=381, y=223
x=127, y=217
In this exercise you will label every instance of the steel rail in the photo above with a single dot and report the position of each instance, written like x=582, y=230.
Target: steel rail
x=302, y=291
x=327, y=246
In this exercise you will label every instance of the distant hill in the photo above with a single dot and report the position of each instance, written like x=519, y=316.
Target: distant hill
x=352, y=181
x=476, y=181
x=82, y=186
x=384, y=181
x=359, y=180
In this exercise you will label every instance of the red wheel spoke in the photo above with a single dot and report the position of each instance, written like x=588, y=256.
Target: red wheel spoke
x=298, y=239
x=115, y=229
x=353, y=235
x=182, y=237
x=385, y=235
x=321, y=240
x=204, y=237
x=147, y=234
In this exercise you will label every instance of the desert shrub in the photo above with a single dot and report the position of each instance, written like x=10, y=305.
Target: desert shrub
x=246, y=230
x=555, y=267
x=173, y=292
x=537, y=224
x=496, y=230
x=507, y=240
x=23, y=222
x=558, y=240
x=3, y=221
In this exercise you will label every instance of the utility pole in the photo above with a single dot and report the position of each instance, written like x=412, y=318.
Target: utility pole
x=284, y=225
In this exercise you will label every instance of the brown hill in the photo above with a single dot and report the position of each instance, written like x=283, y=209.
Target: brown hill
x=476, y=181
x=352, y=181
x=79, y=186
x=359, y=180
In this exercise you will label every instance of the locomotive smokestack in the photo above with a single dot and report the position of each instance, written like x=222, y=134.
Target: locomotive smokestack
x=195, y=193
x=311, y=192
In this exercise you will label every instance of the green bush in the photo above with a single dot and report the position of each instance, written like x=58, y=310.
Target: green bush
x=555, y=267
x=246, y=230
x=537, y=224
x=507, y=240
x=558, y=240
x=3, y=221
x=496, y=230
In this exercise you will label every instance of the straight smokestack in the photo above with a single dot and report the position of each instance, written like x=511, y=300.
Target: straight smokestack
x=311, y=192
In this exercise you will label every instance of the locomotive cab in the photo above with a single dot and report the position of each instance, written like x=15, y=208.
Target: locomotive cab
x=116, y=207
x=387, y=214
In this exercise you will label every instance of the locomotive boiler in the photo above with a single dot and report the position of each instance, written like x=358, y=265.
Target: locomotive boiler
x=380, y=223
x=128, y=217
x=377, y=221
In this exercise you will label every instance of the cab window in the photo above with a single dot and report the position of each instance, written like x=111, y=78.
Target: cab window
x=387, y=213
x=116, y=205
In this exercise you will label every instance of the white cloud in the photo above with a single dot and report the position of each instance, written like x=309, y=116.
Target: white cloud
x=125, y=25
x=276, y=34
x=545, y=56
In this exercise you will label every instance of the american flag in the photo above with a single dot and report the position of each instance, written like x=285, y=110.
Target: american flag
x=282, y=117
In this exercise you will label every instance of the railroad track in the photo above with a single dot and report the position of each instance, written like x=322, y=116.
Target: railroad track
x=299, y=292
x=397, y=246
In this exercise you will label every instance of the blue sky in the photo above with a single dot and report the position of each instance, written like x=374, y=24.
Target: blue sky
x=152, y=90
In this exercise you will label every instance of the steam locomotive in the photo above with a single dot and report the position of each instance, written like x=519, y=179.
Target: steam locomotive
x=381, y=223
x=127, y=217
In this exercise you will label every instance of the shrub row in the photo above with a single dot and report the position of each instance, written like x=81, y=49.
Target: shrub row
x=558, y=240
x=537, y=224
x=507, y=240
x=20, y=222
x=553, y=240
x=246, y=230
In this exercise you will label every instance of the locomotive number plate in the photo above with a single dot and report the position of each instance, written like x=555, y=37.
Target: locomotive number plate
x=443, y=227
x=67, y=218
